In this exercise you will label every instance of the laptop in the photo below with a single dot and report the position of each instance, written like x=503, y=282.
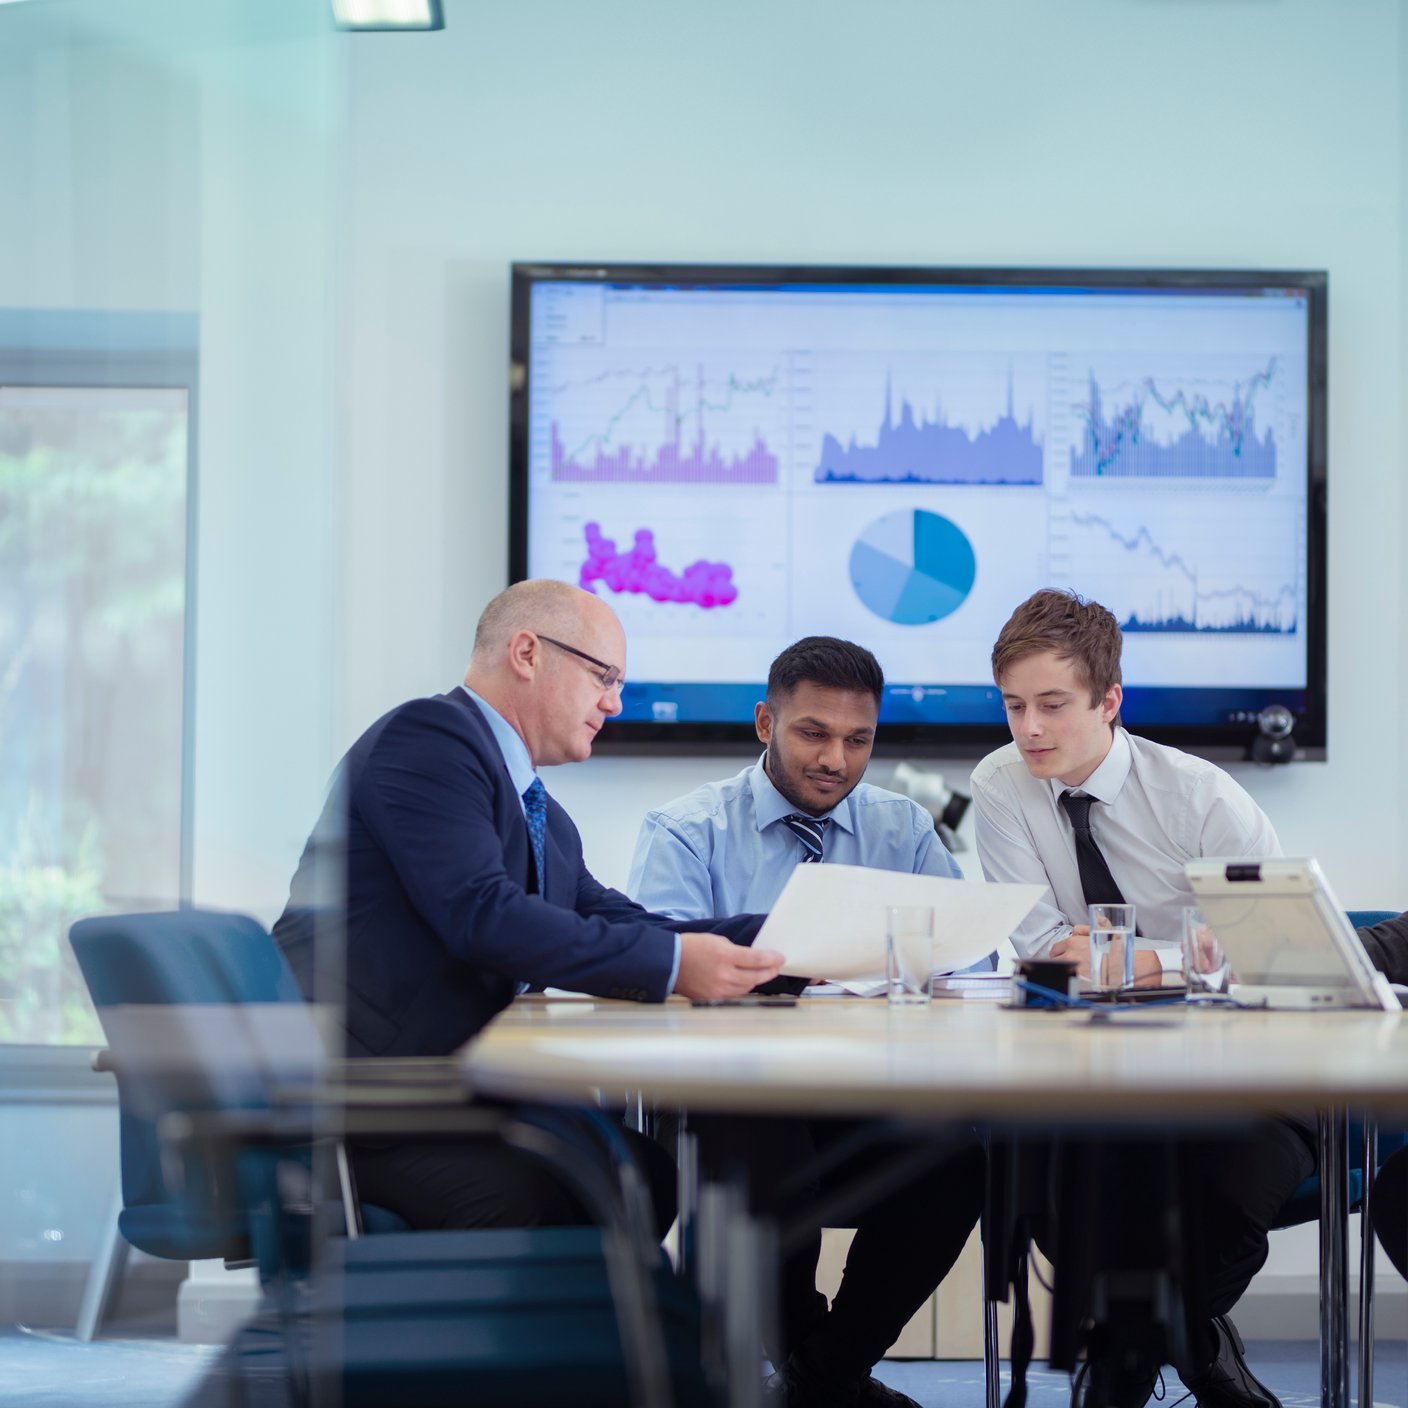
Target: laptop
x=1287, y=939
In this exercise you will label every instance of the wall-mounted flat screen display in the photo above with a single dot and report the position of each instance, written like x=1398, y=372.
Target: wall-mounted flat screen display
x=737, y=457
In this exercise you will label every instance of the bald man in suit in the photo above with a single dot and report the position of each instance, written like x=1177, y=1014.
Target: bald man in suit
x=464, y=882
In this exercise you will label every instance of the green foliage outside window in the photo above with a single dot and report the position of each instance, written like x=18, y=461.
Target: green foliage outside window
x=92, y=605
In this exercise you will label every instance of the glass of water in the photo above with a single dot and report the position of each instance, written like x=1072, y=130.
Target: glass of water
x=1111, y=946
x=1205, y=967
x=909, y=953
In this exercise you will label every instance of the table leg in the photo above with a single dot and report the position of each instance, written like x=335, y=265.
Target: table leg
x=687, y=1162
x=1334, y=1278
x=736, y=1276
x=1366, y=1265
x=992, y=1350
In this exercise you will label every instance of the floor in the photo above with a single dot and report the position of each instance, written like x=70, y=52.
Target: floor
x=42, y=1369
x=1290, y=1368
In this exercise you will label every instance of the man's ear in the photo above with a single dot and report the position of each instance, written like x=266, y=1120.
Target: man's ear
x=525, y=652
x=762, y=721
x=1110, y=705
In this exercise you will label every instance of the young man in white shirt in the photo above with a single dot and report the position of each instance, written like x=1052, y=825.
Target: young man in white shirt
x=1097, y=815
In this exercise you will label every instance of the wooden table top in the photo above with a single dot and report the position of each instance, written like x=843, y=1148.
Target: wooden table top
x=956, y=1059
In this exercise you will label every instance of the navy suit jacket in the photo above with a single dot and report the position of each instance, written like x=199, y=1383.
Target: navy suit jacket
x=440, y=926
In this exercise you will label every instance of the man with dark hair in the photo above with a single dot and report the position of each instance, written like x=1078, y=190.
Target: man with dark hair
x=738, y=839
x=734, y=843
x=1096, y=815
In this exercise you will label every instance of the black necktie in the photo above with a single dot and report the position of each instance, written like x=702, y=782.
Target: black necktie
x=809, y=831
x=1095, y=878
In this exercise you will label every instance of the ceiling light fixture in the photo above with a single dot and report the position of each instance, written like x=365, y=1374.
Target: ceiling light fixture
x=388, y=14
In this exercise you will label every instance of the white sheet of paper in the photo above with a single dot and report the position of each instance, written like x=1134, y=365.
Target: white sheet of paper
x=829, y=920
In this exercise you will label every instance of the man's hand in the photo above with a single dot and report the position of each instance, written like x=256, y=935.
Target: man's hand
x=1075, y=946
x=1148, y=971
x=713, y=967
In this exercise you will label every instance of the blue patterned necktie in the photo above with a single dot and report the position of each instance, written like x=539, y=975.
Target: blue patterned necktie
x=810, y=831
x=535, y=812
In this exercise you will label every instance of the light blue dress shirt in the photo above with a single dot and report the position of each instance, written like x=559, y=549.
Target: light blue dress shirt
x=521, y=773
x=724, y=849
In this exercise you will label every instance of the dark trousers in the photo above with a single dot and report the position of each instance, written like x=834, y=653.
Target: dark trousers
x=906, y=1239
x=1201, y=1206
x=483, y=1182
x=1390, y=1204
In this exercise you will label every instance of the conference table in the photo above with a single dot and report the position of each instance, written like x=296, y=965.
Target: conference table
x=1168, y=1068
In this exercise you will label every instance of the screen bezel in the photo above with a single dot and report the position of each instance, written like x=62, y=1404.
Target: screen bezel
x=1222, y=740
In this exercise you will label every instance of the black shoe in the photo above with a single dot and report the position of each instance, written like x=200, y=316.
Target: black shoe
x=789, y=1388
x=1106, y=1385
x=1227, y=1382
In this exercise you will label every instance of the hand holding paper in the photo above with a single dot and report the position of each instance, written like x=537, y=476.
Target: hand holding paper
x=830, y=920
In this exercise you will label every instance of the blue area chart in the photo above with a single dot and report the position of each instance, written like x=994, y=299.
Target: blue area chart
x=913, y=567
x=919, y=451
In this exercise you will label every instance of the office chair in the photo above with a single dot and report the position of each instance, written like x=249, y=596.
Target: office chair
x=188, y=957
x=205, y=1023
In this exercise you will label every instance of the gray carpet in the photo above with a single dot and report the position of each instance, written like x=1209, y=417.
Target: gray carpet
x=1290, y=1368
x=47, y=1369
x=44, y=1369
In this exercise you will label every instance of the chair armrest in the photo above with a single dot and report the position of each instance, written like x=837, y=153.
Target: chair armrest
x=297, y=1125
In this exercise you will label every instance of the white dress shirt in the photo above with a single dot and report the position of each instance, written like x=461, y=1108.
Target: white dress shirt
x=1156, y=808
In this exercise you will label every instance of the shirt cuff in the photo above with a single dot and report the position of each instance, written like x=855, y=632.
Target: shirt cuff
x=1170, y=956
x=675, y=966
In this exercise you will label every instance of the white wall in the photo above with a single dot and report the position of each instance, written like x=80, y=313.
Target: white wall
x=1104, y=131
x=341, y=211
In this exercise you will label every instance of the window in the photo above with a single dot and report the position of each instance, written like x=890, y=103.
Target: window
x=94, y=515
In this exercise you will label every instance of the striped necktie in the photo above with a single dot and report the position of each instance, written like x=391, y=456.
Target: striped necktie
x=810, y=831
x=535, y=812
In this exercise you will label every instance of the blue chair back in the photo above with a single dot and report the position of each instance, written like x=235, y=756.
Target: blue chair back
x=182, y=959
x=1366, y=918
x=183, y=956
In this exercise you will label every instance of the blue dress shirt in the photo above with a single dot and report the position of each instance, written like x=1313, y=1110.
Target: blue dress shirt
x=724, y=849
x=519, y=765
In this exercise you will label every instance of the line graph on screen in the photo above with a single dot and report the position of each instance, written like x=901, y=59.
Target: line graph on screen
x=660, y=424
x=1212, y=583
x=1154, y=431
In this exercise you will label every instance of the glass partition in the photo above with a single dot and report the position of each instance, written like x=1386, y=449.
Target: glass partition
x=170, y=639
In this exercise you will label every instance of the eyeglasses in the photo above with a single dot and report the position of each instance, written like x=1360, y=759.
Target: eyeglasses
x=610, y=676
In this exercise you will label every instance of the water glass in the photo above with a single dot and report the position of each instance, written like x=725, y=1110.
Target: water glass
x=1205, y=969
x=909, y=953
x=1111, y=946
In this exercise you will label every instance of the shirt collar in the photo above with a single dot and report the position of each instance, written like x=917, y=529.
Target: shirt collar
x=770, y=806
x=513, y=749
x=1105, y=782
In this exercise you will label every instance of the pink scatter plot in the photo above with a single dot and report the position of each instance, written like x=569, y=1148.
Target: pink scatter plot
x=706, y=584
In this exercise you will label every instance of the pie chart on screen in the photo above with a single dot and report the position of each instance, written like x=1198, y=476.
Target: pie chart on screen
x=913, y=567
